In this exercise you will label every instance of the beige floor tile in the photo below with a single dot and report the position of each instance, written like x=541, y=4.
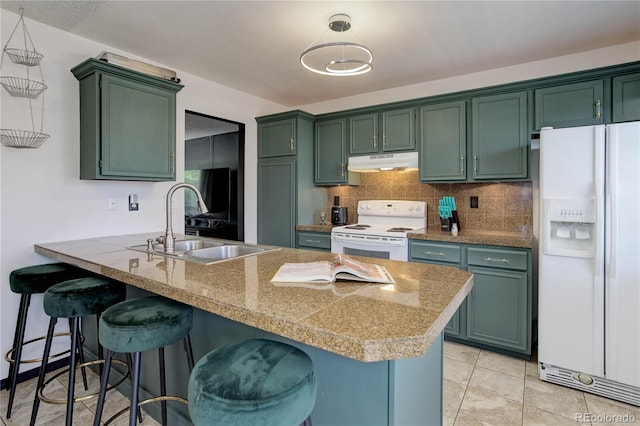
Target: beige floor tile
x=453, y=393
x=464, y=420
x=504, y=385
x=531, y=369
x=491, y=407
x=534, y=416
x=460, y=352
x=611, y=412
x=501, y=363
x=457, y=371
x=554, y=398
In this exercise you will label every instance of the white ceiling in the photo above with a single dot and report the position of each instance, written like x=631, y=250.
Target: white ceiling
x=254, y=46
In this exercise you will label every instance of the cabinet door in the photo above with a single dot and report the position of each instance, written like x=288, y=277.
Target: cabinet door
x=277, y=201
x=497, y=308
x=440, y=254
x=363, y=134
x=277, y=138
x=331, y=152
x=569, y=105
x=398, y=132
x=500, y=140
x=443, y=142
x=137, y=131
x=626, y=98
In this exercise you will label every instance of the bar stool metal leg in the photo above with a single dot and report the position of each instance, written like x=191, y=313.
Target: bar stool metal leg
x=18, y=339
x=43, y=367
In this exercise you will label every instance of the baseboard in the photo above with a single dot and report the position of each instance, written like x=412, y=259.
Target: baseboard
x=30, y=374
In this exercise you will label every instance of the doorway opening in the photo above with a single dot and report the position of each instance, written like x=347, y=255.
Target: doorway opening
x=214, y=162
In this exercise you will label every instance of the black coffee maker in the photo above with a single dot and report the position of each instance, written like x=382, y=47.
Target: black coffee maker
x=339, y=215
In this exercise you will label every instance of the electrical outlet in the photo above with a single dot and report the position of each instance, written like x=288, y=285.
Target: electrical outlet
x=474, y=202
x=133, y=202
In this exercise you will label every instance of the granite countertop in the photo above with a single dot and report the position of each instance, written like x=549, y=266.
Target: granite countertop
x=362, y=321
x=472, y=236
x=465, y=236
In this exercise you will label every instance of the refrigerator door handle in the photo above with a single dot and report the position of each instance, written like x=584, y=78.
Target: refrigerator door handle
x=599, y=175
x=612, y=201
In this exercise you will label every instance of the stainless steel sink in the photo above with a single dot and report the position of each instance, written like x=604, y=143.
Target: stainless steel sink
x=226, y=252
x=204, y=250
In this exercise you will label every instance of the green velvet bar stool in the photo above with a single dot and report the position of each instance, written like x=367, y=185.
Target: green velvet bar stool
x=74, y=299
x=140, y=325
x=256, y=382
x=25, y=282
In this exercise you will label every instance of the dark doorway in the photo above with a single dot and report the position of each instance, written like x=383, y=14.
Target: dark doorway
x=214, y=162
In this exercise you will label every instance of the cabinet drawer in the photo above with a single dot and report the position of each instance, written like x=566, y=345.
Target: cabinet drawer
x=314, y=240
x=497, y=258
x=432, y=251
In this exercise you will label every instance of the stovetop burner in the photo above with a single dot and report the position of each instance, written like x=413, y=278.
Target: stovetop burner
x=358, y=226
x=399, y=229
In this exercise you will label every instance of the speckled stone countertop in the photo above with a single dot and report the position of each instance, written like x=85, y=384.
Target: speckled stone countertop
x=363, y=321
x=471, y=236
x=466, y=236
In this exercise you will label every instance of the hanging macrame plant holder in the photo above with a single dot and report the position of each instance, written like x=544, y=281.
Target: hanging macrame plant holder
x=27, y=87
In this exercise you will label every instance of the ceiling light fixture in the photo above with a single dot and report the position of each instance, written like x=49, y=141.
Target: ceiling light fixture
x=337, y=58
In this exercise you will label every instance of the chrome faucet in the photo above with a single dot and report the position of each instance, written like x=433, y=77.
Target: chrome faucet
x=169, y=239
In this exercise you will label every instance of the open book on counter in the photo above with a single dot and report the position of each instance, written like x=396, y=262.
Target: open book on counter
x=341, y=268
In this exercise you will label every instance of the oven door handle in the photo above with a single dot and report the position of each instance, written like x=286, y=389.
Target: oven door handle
x=364, y=242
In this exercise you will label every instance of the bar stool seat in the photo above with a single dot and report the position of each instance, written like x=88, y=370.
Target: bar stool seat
x=74, y=299
x=256, y=382
x=27, y=281
x=139, y=325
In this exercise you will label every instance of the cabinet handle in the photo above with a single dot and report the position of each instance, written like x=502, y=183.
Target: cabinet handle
x=475, y=164
x=342, y=170
x=312, y=241
x=488, y=259
x=428, y=253
x=384, y=141
x=375, y=142
x=462, y=165
x=598, y=105
x=291, y=144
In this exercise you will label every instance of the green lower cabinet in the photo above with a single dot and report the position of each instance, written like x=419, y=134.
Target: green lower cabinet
x=276, y=199
x=307, y=240
x=497, y=314
x=626, y=98
x=497, y=308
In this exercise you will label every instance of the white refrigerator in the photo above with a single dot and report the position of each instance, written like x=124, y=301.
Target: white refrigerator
x=589, y=259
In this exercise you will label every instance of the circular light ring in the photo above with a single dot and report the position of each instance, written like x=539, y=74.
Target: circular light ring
x=364, y=65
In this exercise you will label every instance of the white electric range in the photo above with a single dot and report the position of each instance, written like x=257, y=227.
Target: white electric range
x=381, y=230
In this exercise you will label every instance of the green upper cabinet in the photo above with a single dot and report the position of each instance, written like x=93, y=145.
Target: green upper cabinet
x=500, y=140
x=363, y=136
x=331, y=152
x=286, y=192
x=398, y=130
x=568, y=105
x=443, y=142
x=387, y=131
x=127, y=123
x=626, y=98
x=277, y=138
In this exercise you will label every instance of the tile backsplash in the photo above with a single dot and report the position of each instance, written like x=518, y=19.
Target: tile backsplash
x=502, y=206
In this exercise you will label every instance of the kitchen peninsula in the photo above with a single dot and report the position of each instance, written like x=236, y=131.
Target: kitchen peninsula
x=377, y=349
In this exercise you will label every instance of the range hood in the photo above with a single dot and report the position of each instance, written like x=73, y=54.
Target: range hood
x=382, y=162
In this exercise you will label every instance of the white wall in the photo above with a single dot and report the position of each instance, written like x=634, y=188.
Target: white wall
x=43, y=200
